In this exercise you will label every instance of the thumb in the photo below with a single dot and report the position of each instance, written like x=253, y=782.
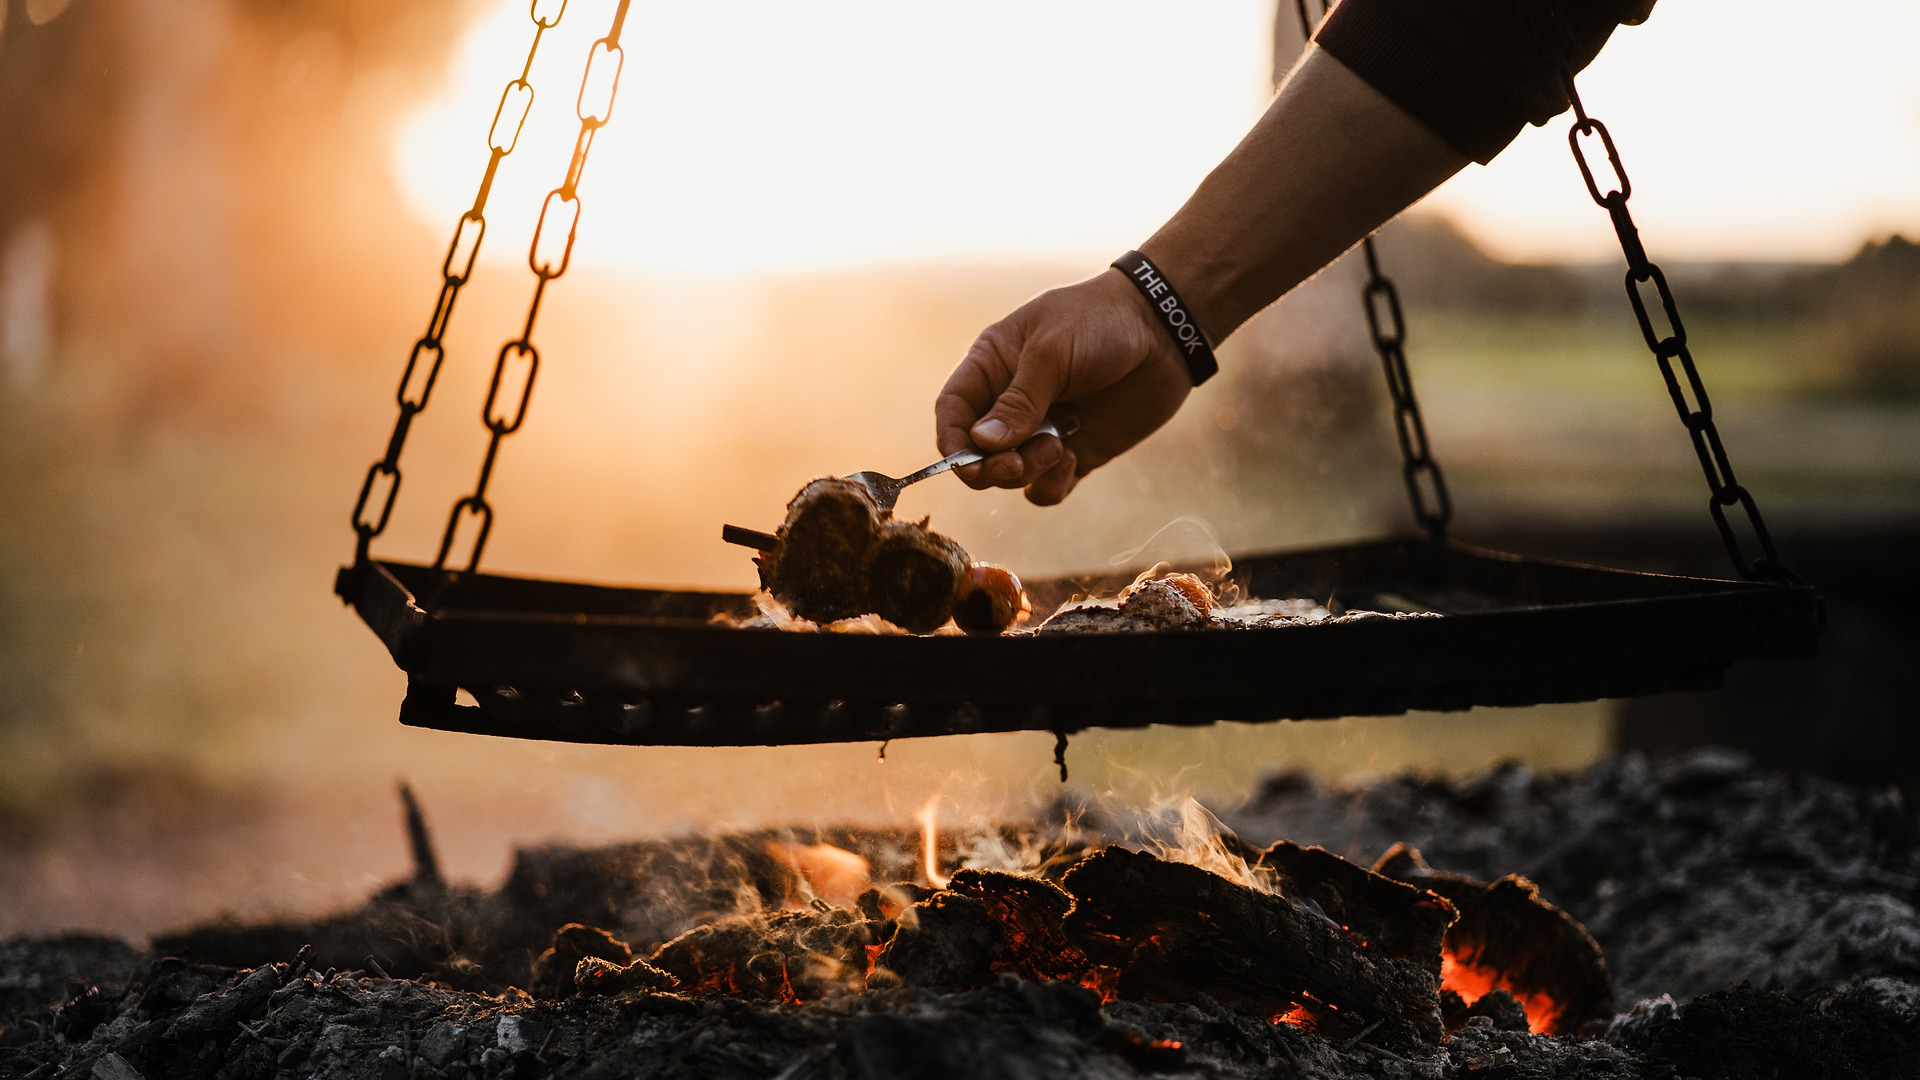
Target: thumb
x=1022, y=405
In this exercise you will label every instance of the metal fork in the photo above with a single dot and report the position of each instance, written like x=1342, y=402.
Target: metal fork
x=886, y=489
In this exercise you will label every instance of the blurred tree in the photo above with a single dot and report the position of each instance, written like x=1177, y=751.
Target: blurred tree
x=1870, y=327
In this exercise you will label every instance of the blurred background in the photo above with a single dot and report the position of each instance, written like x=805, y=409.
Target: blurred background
x=220, y=231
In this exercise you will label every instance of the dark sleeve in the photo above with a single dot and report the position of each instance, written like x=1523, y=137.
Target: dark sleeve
x=1475, y=71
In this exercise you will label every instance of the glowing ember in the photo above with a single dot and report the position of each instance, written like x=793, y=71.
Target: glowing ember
x=1473, y=982
x=1298, y=1016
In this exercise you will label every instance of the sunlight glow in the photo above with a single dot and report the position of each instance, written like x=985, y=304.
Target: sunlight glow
x=1751, y=129
x=752, y=135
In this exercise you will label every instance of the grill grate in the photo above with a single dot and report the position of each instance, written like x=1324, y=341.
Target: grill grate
x=595, y=664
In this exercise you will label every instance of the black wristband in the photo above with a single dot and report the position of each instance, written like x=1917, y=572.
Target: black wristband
x=1173, y=314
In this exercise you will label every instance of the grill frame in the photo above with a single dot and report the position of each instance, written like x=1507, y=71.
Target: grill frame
x=575, y=662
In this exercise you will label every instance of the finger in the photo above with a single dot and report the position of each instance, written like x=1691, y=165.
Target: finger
x=1005, y=469
x=1037, y=456
x=1056, y=483
x=968, y=393
x=1041, y=453
x=1039, y=375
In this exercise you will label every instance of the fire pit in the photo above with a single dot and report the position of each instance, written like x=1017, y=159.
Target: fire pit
x=1754, y=925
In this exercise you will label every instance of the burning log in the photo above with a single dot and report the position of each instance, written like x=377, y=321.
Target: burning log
x=948, y=941
x=1170, y=931
x=1509, y=939
x=983, y=924
x=1338, y=949
x=1395, y=919
x=1033, y=912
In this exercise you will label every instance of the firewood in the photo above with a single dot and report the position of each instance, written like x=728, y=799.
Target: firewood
x=1171, y=931
x=1518, y=941
x=947, y=941
x=1397, y=920
x=1032, y=911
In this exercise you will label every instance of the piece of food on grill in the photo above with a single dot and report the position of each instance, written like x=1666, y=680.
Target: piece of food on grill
x=837, y=556
x=819, y=568
x=1092, y=619
x=913, y=574
x=1172, y=602
x=990, y=600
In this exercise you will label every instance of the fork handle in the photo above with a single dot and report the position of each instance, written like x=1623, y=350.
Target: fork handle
x=1059, y=429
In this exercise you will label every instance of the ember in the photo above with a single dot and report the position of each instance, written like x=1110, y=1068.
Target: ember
x=1507, y=938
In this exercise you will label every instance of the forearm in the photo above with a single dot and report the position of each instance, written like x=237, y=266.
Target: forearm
x=1330, y=161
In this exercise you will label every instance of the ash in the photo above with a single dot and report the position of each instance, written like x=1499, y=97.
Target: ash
x=1694, y=874
x=1756, y=925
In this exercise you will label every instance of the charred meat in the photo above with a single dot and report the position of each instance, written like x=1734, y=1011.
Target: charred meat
x=819, y=568
x=839, y=556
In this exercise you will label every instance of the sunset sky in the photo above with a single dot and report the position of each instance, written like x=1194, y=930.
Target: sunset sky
x=762, y=136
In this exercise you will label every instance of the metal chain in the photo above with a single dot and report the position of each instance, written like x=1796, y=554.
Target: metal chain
x=429, y=352
x=1426, y=487
x=502, y=420
x=1685, y=387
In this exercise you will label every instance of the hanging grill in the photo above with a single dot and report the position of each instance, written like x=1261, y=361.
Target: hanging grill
x=587, y=663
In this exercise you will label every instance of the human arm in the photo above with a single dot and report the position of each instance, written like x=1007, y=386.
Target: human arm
x=1329, y=162
x=1337, y=154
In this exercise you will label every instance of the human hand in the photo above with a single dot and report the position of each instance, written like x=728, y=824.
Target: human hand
x=1094, y=346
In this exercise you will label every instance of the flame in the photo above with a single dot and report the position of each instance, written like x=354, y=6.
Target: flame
x=930, y=843
x=1472, y=982
x=1182, y=830
x=832, y=874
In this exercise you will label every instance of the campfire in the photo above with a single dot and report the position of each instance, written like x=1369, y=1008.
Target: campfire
x=1080, y=942
x=1398, y=954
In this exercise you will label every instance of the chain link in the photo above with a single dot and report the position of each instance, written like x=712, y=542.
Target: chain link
x=429, y=352
x=1386, y=324
x=1426, y=487
x=1684, y=386
x=503, y=416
